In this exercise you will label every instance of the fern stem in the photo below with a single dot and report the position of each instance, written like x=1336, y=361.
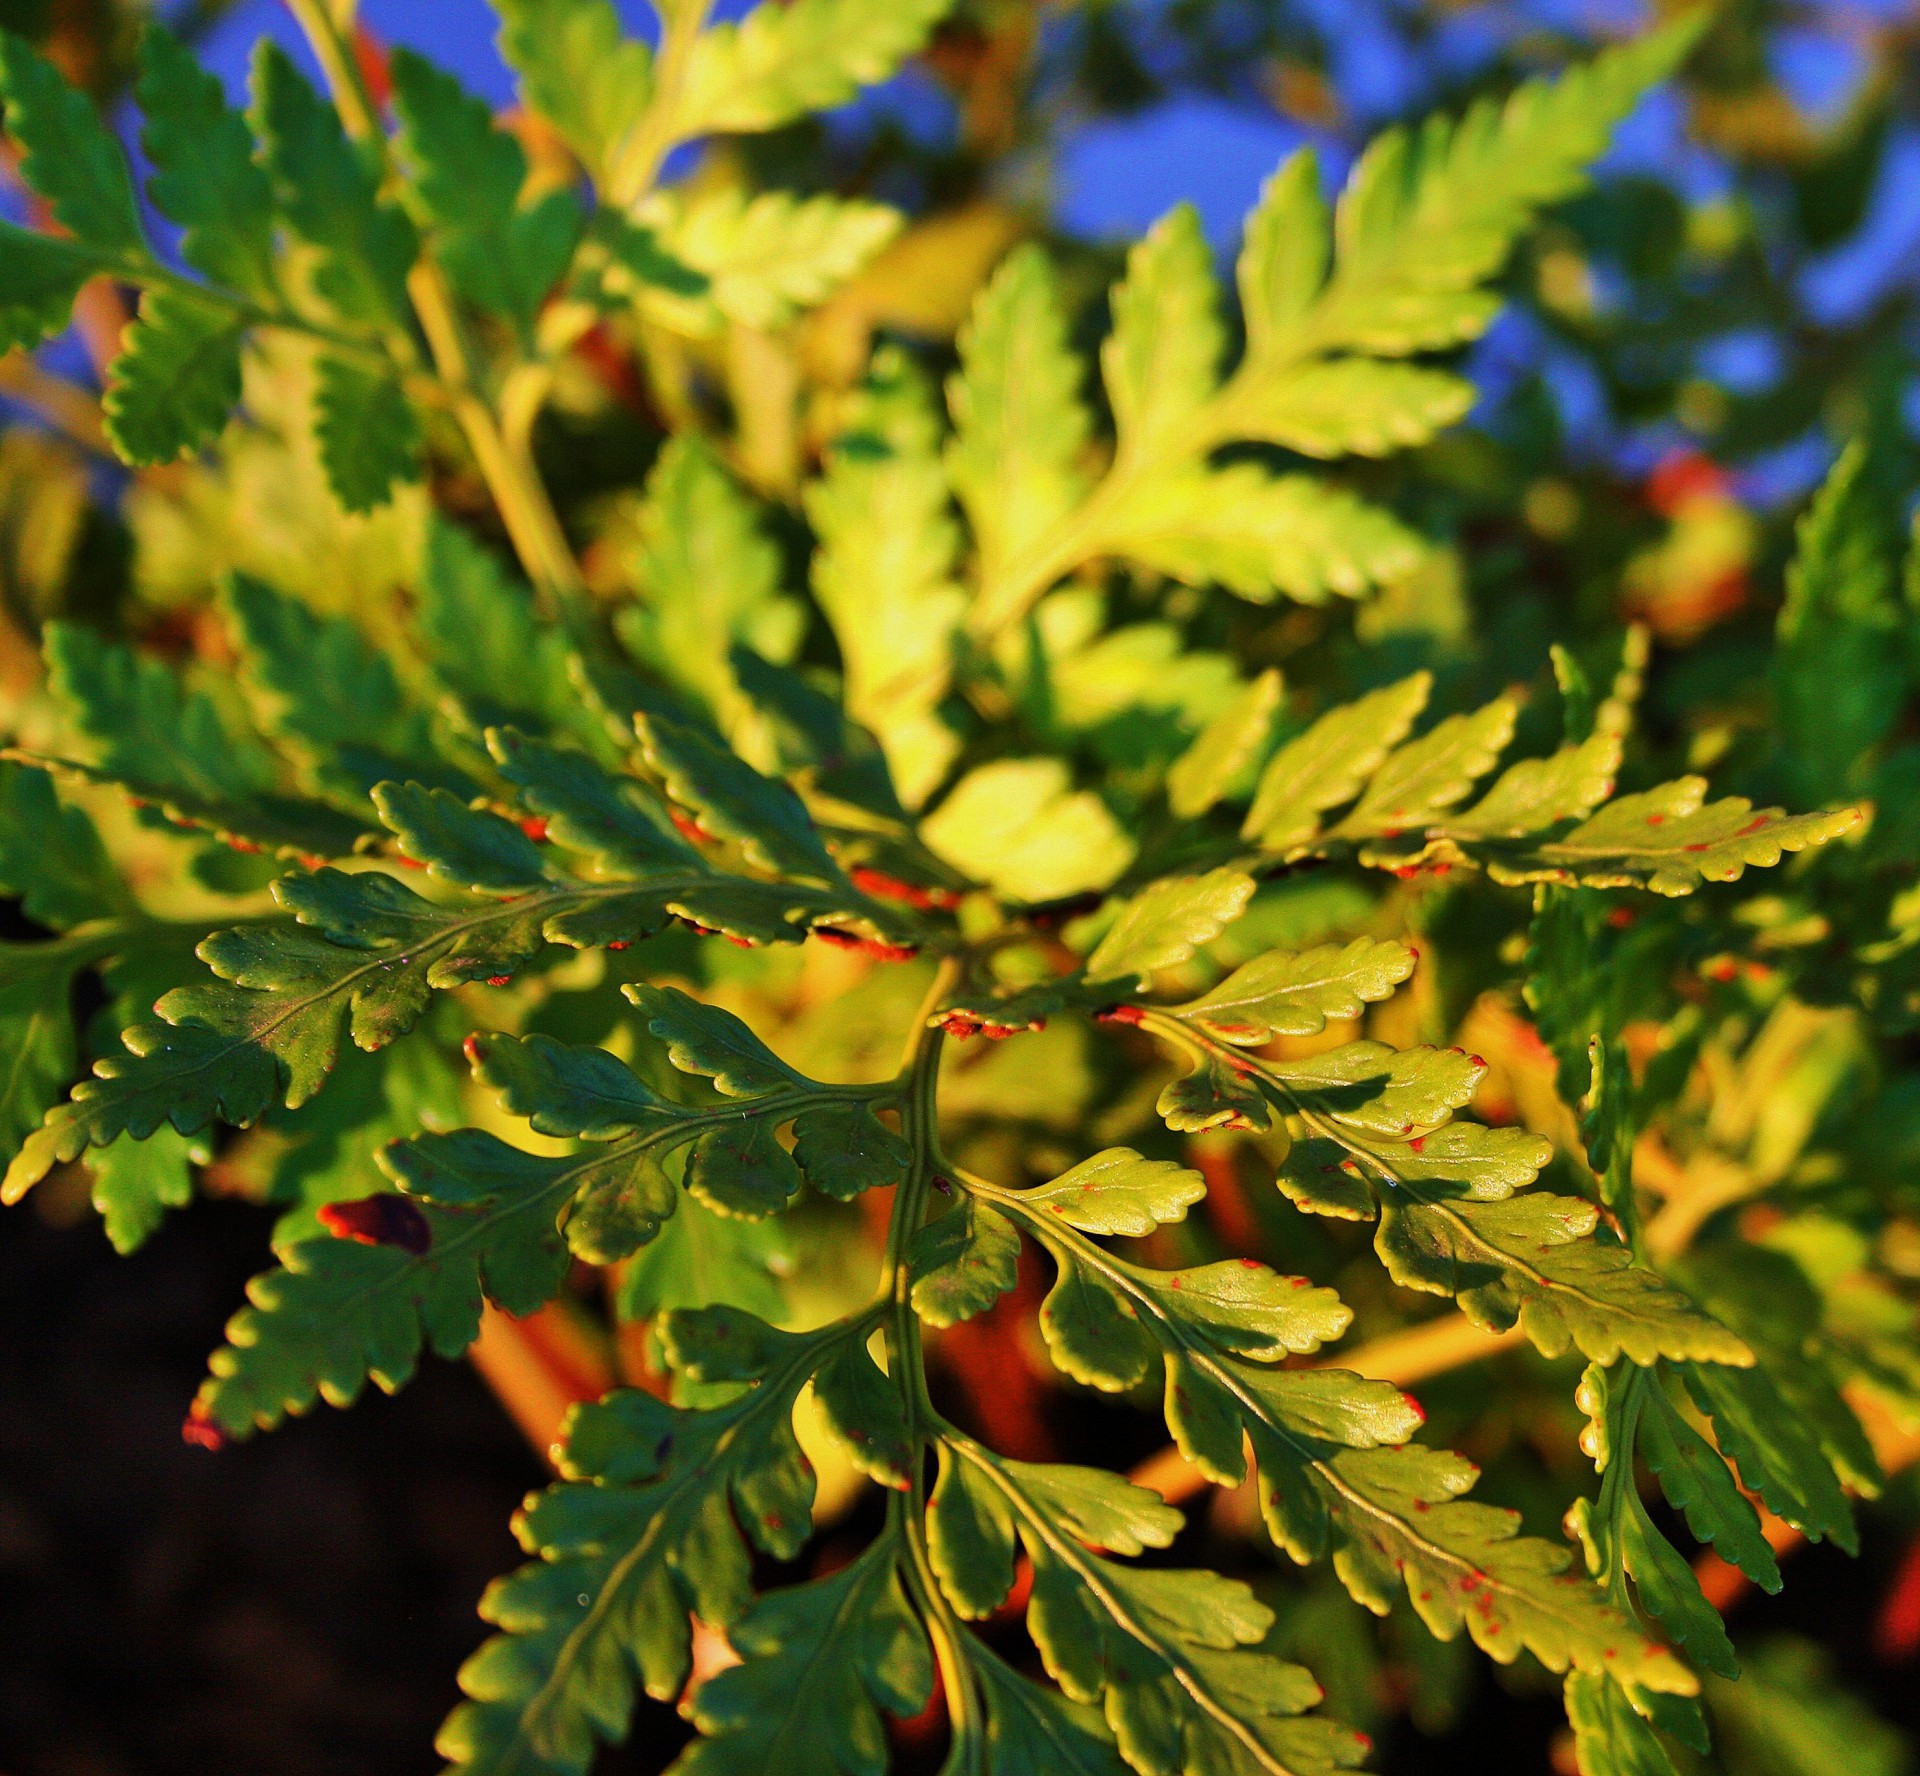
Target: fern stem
x=637, y=164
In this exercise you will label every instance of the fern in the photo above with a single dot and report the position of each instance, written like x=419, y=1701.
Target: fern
x=1010, y=813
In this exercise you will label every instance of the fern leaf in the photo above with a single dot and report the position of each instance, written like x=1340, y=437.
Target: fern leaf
x=1165, y=924
x=1695, y=1480
x=38, y=1052
x=1417, y=781
x=318, y=683
x=763, y=258
x=648, y=1526
x=205, y=176
x=1019, y=425
x=819, y=1663
x=884, y=571
x=1161, y=362
x=780, y=62
x=369, y=433
x=1609, y=1737
x=1669, y=840
x=1838, y=674
x=1280, y=994
x=40, y=277
x=1284, y=253
x=1226, y=749
x=1260, y=536
x=1347, y=407
x=1019, y=825
x=485, y=641
x=467, y=176
x=67, y=155
x=51, y=858
x=1180, y=1661
x=328, y=196
x=579, y=71
x=136, y=1182
x=1325, y=766
x=1430, y=214
x=176, y=380
x=709, y=579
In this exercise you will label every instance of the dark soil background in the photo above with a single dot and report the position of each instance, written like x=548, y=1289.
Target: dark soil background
x=298, y=1605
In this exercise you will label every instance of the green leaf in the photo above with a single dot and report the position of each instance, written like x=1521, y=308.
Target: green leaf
x=819, y=1663
x=761, y=259
x=780, y=62
x=1419, y=780
x=1696, y=1482
x=648, y=1526
x=700, y=1259
x=172, y=387
x=703, y=1039
x=1327, y=765
x=1161, y=362
x=578, y=70
x=1020, y=826
x=1162, y=926
x=136, y=1182
x=884, y=570
x=1665, y=840
x=845, y=1150
x=1119, y=1192
x=1839, y=676
x=861, y=1407
x=708, y=578
x=67, y=155
x=1609, y=1738
x=1778, y=1456
x=38, y=1055
x=484, y=640
x=1210, y=769
x=733, y=801
x=1350, y=407
x=962, y=1263
x=131, y=716
x=318, y=682
x=1671, y=1593
x=1181, y=1661
x=1034, y=1731
x=1019, y=423
x=466, y=846
x=1430, y=214
x=51, y=858
x=328, y=194
x=369, y=433
x=205, y=176
x=618, y=823
x=1281, y=994
x=40, y=278
x=1283, y=258
x=1261, y=536
x=467, y=177
x=1534, y=1258
x=338, y=1311
x=1534, y=794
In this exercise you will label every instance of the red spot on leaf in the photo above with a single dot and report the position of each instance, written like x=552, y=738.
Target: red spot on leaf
x=1121, y=1014
x=383, y=1220
x=619, y=943
x=498, y=980
x=535, y=827
x=1418, y=1144
x=474, y=1050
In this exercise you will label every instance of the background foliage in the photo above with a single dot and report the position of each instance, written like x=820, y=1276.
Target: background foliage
x=252, y=639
